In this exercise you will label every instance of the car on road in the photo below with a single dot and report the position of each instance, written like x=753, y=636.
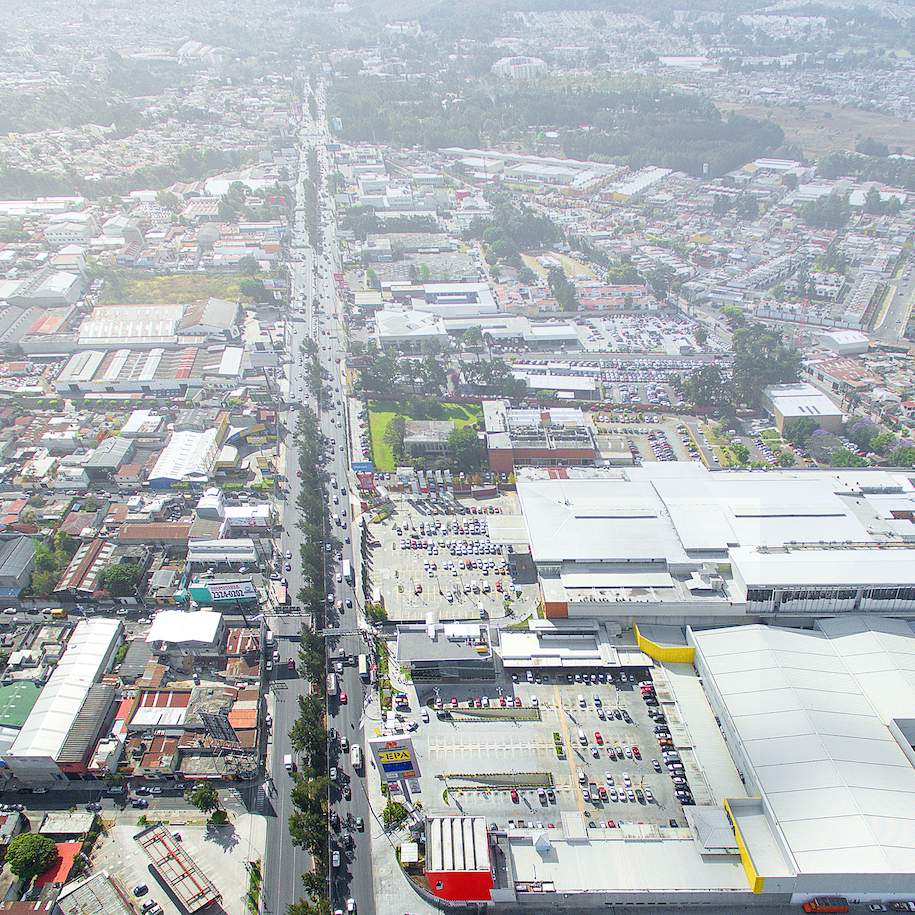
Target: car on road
x=139, y=803
x=347, y=793
x=360, y=824
x=343, y=699
x=335, y=858
x=351, y=906
x=141, y=889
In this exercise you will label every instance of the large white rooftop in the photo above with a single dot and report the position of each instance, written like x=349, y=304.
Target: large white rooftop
x=682, y=512
x=180, y=626
x=79, y=669
x=815, y=713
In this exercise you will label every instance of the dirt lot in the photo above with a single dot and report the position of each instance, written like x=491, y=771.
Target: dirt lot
x=823, y=128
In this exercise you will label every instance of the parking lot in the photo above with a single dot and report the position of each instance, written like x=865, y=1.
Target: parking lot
x=505, y=763
x=437, y=555
x=219, y=851
x=655, y=333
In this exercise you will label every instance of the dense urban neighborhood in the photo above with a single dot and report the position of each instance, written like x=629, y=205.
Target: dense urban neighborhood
x=456, y=457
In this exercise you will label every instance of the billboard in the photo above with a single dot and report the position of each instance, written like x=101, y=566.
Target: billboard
x=395, y=757
x=214, y=593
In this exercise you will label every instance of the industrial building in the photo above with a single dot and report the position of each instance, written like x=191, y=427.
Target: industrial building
x=157, y=371
x=520, y=67
x=676, y=544
x=17, y=561
x=61, y=731
x=790, y=402
x=188, y=458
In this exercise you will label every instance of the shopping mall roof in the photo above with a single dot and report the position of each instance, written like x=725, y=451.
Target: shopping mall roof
x=674, y=512
x=823, y=720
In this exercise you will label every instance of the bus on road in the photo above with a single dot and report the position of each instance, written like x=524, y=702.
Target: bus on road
x=827, y=904
x=364, y=666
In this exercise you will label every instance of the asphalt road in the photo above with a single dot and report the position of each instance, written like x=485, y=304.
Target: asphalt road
x=313, y=277
x=894, y=322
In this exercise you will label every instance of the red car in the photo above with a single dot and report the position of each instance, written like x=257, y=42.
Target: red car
x=517, y=702
x=514, y=795
x=598, y=739
x=636, y=753
x=454, y=702
x=502, y=701
x=342, y=698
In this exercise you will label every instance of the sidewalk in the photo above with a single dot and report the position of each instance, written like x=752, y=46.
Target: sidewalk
x=394, y=893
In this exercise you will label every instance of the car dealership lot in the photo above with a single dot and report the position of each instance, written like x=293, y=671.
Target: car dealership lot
x=482, y=755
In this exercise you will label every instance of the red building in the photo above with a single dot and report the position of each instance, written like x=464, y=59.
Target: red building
x=457, y=859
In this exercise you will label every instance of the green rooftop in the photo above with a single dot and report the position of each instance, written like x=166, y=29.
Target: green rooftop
x=16, y=701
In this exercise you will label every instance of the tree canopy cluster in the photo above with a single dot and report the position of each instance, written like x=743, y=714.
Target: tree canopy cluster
x=636, y=124
x=897, y=171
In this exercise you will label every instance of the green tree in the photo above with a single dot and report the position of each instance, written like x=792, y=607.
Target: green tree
x=394, y=434
x=741, y=452
x=707, y=387
x=760, y=360
x=843, y=457
x=30, y=854
x=304, y=907
x=472, y=338
x=248, y=265
x=734, y=316
x=624, y=275
x=121, y=580
x=800, y=430
x=376, y=614
x=701, y=335
x=883, y=442
x=563, y=289
x=786, y=459
x=903, y=457
x=466, y=449
x=204, y=797
x=393, y=814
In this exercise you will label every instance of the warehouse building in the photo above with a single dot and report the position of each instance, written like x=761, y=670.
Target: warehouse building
x=58, y=737
x=188, y=458
x=790, y=402
x=819, y=724
x=675, y=544
x=157, y=371
x=17, y=561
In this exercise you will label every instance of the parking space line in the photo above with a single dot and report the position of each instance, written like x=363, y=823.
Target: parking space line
x=565, y=737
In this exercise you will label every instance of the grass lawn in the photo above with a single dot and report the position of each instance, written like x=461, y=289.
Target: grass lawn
x=381, y=412
x=136, y=287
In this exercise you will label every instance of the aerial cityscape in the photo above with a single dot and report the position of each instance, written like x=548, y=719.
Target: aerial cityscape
x=457, y=456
